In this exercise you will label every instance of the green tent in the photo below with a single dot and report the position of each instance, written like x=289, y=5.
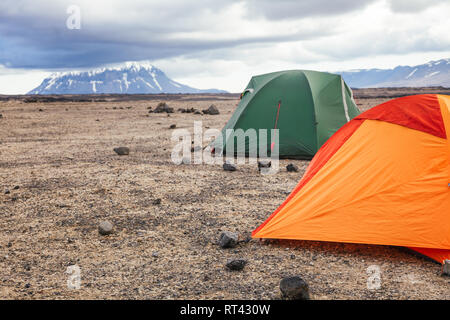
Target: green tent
x=306, y=106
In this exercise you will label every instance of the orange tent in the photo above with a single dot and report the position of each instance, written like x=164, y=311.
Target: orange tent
x=383, y=178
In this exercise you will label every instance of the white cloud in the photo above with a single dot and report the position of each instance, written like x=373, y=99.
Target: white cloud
x=207, y=44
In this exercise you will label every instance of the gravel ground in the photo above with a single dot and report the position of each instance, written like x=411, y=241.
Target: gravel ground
x=69, y=180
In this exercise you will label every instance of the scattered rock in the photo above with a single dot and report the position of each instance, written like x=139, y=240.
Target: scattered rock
x=122, y=151
x=172, y=126
x=291, y=168
x=446, y=268
x=294, y=288
x=197, y=112
x=236, y=264
x=156, y=202
x=228, y=239
x=212, y=110
x=229, y=166
x=163, y=107
x=7, y=191
x=16, y=188
x=187, y=110
x=264, y=164
x=105, y=228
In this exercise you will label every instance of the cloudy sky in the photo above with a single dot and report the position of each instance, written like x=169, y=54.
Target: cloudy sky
x=217, y=44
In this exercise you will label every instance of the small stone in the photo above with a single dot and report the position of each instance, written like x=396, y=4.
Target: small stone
x=7, y=191
x=122, y=151
x=16, y=188
x=27, y=285
x=155, y=254
x=291, y=168
x=163, y=107
x=105, y=228
x=197, y=112
x=229, y=166
x=446, y=268
x=236, y=264
x=228, y=239
x=294, y=288
x=172, y=126
x=264, y=165
x=1, y=116
x=212, y=110
x=156, y=202
x=40, y=110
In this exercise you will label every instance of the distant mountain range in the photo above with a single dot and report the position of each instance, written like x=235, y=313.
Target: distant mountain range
x=433, y=73
x=144, y=78
x=127, y=78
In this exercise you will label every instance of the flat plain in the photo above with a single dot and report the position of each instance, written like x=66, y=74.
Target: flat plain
x=59, y=177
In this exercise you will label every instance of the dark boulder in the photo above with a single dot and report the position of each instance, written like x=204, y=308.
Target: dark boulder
x=294, y=288
x=228, y=239
x=212, y=110
x=122, y=151
x=236, y=264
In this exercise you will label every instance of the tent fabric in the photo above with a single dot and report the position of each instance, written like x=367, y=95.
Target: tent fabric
x=307, y=107
x=377, y=182
x=422, y=114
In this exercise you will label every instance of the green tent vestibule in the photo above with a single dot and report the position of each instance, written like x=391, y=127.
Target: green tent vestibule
x=307, y=107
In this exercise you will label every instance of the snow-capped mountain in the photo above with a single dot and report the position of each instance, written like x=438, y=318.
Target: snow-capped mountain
x=433, y=73
x=129, y=78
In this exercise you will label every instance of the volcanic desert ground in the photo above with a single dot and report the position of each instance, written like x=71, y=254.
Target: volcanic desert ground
x=59, y=178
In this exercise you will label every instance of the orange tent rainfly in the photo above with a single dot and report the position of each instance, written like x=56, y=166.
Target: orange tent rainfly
x=383, y=178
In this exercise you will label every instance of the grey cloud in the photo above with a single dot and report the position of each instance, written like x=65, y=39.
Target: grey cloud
x=33, y=35
x=291, y=9
x=36, y=37
x=412, y=6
